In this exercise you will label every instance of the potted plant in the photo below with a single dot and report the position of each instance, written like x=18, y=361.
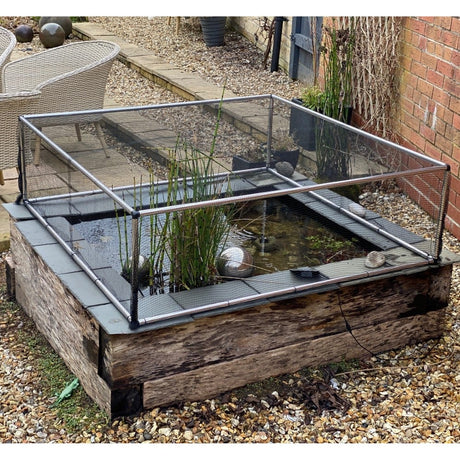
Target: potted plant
x=213, y=28
x=335, y=98
x=337, y=54
x=301, y=123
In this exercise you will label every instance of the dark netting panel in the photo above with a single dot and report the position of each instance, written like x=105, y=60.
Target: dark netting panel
x=183, y=208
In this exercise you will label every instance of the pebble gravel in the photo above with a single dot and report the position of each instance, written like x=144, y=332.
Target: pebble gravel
x=410, y=395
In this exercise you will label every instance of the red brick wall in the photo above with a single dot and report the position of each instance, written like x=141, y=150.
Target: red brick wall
x=428, y=119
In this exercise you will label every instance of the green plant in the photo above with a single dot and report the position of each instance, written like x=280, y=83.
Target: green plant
x=333, y=159
x=282, y=141
x=183, y=244
x=337, y=51
x=194, y=237
x=336, y=96
x=313, y=98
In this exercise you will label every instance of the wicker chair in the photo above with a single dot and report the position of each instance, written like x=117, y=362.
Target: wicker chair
x=7, y=44
x=11, y=106
x=69, y=78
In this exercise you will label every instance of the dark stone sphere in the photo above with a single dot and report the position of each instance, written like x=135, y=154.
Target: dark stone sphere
x=24, y=34
x=64, y=21
x=284, y=168
x=52, y=35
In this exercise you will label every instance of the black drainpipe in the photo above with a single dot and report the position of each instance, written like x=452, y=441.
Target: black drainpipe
x=277, y=42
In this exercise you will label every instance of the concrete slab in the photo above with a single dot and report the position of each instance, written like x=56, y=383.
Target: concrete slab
x=85, y=290
x=35, y=233
x=57, y=258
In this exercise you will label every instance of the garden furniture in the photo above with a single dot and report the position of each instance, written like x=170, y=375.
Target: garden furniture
x=69, y=78
x=7, y=44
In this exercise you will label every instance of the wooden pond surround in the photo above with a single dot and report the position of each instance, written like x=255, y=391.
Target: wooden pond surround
x=202, y=355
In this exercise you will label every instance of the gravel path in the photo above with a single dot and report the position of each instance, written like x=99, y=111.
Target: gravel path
x=408, y=395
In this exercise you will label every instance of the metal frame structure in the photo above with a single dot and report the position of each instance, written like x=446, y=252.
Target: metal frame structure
x=27, y=122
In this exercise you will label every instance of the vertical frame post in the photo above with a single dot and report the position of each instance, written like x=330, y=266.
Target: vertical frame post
x=22, y=178
x=269, y=132
x=134, y=304
x=442, y=213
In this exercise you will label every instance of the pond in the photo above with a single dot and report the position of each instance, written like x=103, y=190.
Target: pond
x=279, y=233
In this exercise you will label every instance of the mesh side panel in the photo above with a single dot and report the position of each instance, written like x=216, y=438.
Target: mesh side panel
x=199, y=179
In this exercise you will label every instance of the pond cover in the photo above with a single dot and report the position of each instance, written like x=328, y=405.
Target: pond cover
x=280, y=234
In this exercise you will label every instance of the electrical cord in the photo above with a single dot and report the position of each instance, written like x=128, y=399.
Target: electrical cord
x=349, y=329
x=347, y=325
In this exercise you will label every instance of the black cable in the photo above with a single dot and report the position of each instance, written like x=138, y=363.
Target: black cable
x=347, y=325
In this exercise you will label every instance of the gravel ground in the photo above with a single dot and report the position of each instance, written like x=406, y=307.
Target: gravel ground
x=409, y=395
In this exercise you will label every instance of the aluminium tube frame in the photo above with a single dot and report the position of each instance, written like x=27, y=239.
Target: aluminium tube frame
x=132, y=318
x=272, y=295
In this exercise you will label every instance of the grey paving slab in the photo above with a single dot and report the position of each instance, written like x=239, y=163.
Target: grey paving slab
x=400, y=256
x=397, y=231
x=47, y=184
x=113, y=322
x=35, y=233
x=117, y=285
x=65, y=229
x=350, y=267
x=371, y=236
x=264, y=179
x=17, y=211
x=162, y=304
x=94, y=258
x=110, y=319
x=283, y=280
x=84, y=290
x=213, y=294
x=57, y=259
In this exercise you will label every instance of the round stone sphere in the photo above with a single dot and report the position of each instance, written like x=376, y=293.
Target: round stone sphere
x=64, y=21
x=284, y=168
x=235, y=262
x=24, y=33
x=52, y=35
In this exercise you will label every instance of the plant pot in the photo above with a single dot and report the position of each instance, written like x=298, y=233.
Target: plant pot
x=213, y=28
x=302, y=127
x=291, y=156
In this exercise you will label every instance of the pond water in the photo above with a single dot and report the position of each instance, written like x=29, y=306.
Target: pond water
x=279, y=233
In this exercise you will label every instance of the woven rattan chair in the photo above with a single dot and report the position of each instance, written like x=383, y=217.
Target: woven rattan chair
x=69, y=78
x=11, y=106
x=7, y=44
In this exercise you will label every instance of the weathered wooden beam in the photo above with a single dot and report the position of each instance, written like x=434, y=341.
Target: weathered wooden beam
x=226, y=337
x=211, y=380
x=60, y=317
x=125, y=373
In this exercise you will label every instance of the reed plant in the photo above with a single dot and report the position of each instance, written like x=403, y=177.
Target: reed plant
x=183, y=244
x=337, y=52
x=333, y=159
x=195, y=237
